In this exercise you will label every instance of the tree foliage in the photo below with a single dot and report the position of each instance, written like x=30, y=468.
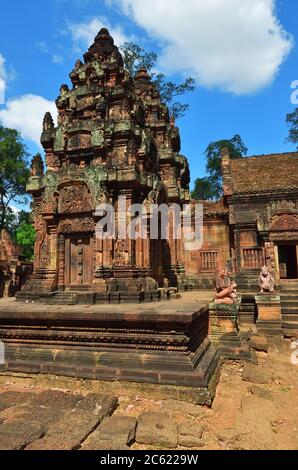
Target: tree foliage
x=292, y=122
x=136, y=58
x=14, y=219
x=210, y=187
x=203, y=189
x=25, y=238
x=14, y=172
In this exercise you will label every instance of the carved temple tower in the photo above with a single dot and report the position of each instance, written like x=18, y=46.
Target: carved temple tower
x=114, y=138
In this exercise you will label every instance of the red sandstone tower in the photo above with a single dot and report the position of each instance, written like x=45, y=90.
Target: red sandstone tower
x=114, y=139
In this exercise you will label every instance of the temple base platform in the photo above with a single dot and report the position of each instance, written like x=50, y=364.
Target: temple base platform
x=164, y=344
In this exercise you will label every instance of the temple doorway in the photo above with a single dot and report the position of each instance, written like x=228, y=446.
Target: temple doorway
x=288, y=261
x=78, y=261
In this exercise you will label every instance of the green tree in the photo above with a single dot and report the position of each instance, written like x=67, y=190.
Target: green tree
x=211, y=186
x=25, y=238
x=203, y=189
x=292, y=122
x=14, y=172
x=136, y=58
x=14, y=219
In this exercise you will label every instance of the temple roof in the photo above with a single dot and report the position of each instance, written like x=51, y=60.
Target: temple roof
x=102, y=48
x=263, y=173
x=215, y=207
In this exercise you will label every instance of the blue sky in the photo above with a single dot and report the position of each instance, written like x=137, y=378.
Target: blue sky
x=243, y=59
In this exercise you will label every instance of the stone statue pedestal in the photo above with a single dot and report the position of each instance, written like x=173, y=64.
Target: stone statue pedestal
x=269, y=314
x=224, y=331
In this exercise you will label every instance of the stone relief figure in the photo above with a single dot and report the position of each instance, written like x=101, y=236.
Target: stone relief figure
x=115, y=113
x=101, y=106
x=120, y=255
x=37, y=166
x=98, y=138
x=225, y=288
x=266, y=281
x=73, y=199
x=125, y=109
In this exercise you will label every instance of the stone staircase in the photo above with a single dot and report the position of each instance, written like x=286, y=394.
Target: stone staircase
x=63, y=298
x=289, y=303
x=248, y=310
x=247, y=281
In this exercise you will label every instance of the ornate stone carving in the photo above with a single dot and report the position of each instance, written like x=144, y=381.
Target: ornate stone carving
x=37, y=166
x=98, y=138
x=266, y=281
x=76, y=225
x=49, y=203
x=225, y=289
x=48, y=123
x=74, y=199
x=120, y=253
x=284, y=222
x=96, y=178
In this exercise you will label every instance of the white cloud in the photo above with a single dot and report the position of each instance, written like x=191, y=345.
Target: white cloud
x=25, y=113
x=57, y=59
x=2, y=79
x=84, y=33
x=237, y=46
x=41, y=46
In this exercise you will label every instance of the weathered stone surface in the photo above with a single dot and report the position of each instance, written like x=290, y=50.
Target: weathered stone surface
x=255, y=374
x=10, y=399
x=104, y=445
x=94, y=443
x=16, y=413
x=69, y=432
x=17, y=434
x=52, y=443
x=100, y=405
x=122, y=428
x=56, y=399
x=261, y=392
x=259, y=343
x=11, y=443
x=52, y=419
x=190, y=434
x=157, y=429
x=74, y=426
x=174, y=406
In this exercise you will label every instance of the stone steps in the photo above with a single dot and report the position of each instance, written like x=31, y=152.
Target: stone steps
x=290, y=325
x=293, y=309
x=289, y=303
x=247, y=311
x=248, y=281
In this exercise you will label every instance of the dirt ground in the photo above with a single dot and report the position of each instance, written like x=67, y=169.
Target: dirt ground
x=244, y=415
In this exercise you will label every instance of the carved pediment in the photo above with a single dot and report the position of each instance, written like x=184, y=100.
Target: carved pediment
x=284, y=222
x=74, y=199
x=77, y=225
x=270, y=217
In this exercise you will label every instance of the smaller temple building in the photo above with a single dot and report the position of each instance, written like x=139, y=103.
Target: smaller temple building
x=255, y=223
x=14, y=271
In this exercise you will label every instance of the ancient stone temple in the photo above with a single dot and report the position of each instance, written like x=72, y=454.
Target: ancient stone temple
x=116, y=146
x=114, y=139
x=114, y=142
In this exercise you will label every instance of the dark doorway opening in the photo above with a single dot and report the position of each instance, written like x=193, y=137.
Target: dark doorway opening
x=288, y=261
